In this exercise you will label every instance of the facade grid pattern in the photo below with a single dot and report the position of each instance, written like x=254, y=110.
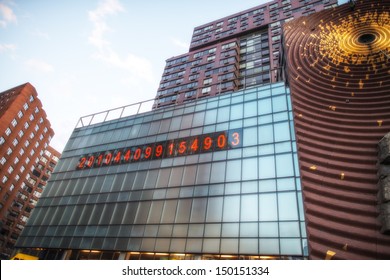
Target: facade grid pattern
x=244, y=201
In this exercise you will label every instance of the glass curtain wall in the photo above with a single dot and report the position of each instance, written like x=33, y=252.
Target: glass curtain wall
x=243, y=200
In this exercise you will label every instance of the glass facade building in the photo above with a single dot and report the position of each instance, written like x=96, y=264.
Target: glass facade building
x=205, y=179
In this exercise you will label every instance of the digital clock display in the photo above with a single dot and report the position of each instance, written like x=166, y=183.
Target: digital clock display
x=204, y=143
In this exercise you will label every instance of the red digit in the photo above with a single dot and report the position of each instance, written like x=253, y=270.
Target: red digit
x=117, y=158
x=127, y=155
x=195, y=145
x=182, y=147
x=137, y=154
x=107, y=159
x=159, y=151
x=207, y=143
x=170, y=148
x=221, y=141
x=99, y=160
x=90, y=161
x=148, y=152
x=82, y=162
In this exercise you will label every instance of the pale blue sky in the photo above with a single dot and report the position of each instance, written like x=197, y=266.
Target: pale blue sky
x=87, y=56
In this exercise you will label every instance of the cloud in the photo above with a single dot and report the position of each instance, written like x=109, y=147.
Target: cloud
x=7, y=47
x=135, y=65
x=180, y=44
x=39, y=65
x=6, y=15
x=41, y=34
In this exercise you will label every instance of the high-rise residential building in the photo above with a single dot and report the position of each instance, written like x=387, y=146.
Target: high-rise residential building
x=267, y=170
x=232, y=53
x=25, y=135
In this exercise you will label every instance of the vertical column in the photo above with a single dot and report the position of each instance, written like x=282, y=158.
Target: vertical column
x=384, y=182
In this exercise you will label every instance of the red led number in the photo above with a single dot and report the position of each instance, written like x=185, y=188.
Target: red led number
x=127, y=156
x=182, y=147
x=117, y=158
x=148, y=152
x=222, y=140
x=158, y=151
x=171, y=148
x=137, y=154
x=195, y=145
x=82, y=162
x=99, y=160
x=207, y=143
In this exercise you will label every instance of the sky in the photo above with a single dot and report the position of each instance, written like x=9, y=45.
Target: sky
x=88, y=56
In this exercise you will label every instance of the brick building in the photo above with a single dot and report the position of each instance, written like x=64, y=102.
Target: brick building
x=25, y=133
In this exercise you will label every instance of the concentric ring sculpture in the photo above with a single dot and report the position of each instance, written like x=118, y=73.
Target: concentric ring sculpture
x=338, y=67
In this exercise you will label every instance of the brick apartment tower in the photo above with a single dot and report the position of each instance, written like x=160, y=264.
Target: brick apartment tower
x=232, y=53
x=25, y=133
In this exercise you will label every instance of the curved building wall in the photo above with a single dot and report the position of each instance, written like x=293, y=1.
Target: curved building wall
x=338, y=63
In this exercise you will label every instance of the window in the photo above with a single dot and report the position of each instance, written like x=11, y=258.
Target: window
x=9, y=151
x=210, y=58
x=41, y=120
x=22, y=168
x=20, y=114
x=5, y=179
x=31, y=98
x=3, y=161
x=15, y=142
x=14, y=122
x=26, y=125
x=31, y=117
x=8, y=131
x=16, y=160
x=17, y=177
x=207, y=81
x=206, y=90
x=32, y=152
x=36, y=110
x=27, y=160
x=11, y=187
x=36, y=127
x=20, y=133
x=25, y=106
x=10, y=169
x=32, y=135
x=27, y=143
x=228, y=46
x=21, y=152
x=2, y=140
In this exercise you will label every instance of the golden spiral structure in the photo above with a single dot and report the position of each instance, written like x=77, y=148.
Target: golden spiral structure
x=338, y=67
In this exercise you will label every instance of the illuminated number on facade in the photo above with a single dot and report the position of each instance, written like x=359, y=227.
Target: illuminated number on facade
x=207, y=143
x=137, y=154
x=127, y=155
x=171, y=148
x=159, y=151
x=204, y=143
x=236, y=139
x=221, y=141
x=90, y=161
x=99, y=160
x=195, y=145
x=107, y=159
x=117, y=158
x=82, y=162
x=182, y=147
x=148, y=152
